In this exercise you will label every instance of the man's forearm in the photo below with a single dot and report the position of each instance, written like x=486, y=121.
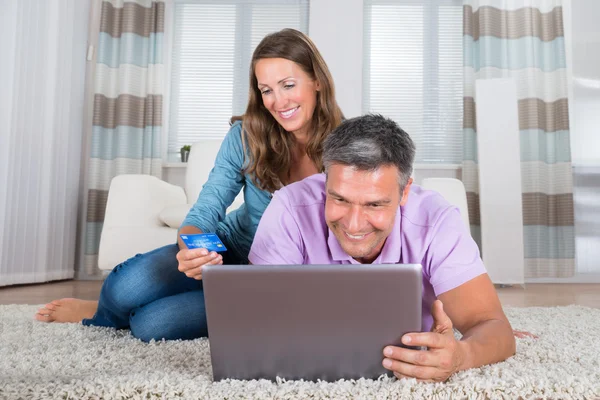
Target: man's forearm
x=186, y=229
x=487, y=343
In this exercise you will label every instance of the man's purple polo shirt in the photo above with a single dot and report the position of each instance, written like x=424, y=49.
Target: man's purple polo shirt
x=427, y=231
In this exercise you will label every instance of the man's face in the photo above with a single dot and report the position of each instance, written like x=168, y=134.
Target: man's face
x=361, y=208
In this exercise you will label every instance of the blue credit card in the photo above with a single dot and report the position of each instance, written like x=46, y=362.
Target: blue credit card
x=208, y=241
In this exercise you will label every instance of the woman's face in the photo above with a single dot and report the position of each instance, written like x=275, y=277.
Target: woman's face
x=288, y=92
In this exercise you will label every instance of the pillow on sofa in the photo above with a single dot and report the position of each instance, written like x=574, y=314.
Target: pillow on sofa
x=173, y=216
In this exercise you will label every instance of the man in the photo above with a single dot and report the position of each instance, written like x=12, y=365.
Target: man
x=364, y=209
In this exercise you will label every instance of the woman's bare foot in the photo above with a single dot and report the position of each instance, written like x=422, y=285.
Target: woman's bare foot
x=67, y=310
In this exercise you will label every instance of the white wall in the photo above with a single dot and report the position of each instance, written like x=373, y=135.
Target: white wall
x=584, y=107
x=500, y=188
x=583, y=52
x=336, y=27
x=174, y=175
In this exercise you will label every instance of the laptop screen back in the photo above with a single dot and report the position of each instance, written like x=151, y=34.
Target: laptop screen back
x=308, y=322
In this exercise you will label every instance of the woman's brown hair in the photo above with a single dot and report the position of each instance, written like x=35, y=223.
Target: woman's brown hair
x=269, y=145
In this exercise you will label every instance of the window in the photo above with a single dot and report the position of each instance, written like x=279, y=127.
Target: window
x=413, y=72
x=213, y=42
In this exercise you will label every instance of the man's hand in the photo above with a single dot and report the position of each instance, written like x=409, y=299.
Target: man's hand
x=192, y=261
x=443, y=357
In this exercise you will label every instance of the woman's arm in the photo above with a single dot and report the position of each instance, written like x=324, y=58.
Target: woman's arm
x=224, y=183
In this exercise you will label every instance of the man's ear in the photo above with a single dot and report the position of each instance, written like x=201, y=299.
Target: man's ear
x=406, y=192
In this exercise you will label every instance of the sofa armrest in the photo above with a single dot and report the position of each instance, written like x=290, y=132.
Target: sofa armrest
x=122, y=243
x=137, y=200
x=174, y=215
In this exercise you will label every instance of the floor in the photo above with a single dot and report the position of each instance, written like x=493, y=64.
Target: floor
x=538, y=294
x=43, y=293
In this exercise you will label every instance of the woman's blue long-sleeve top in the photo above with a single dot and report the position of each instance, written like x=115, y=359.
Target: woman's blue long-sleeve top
x=224, y=183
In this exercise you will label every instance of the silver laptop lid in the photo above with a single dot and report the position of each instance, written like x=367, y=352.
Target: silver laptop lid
x=309, y=321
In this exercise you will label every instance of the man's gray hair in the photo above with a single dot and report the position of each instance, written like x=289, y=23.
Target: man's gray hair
x=368, y=143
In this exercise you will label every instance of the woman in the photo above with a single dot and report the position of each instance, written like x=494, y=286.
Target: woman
x=291, y=109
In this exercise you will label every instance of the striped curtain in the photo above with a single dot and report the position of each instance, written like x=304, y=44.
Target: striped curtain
x=524, y=40
x=126, y=135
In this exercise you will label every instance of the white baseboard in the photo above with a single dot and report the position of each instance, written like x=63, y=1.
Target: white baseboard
x=579, y=278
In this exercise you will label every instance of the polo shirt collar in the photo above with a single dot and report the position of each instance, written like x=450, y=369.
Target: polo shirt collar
x=390, y=254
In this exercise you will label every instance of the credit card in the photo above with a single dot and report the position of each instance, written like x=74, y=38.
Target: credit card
x=208, y=241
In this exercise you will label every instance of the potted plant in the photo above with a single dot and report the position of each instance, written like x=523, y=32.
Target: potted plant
x=185, y=152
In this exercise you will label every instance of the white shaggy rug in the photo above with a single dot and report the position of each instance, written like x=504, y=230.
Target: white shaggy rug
x=69, y=361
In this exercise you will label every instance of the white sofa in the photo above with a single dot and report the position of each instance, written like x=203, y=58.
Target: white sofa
x=144, y=212
x=453, y=191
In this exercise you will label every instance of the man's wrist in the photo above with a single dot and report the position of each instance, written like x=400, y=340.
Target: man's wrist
x=465, y=352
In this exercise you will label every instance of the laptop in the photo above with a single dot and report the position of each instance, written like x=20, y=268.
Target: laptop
x=308, y=322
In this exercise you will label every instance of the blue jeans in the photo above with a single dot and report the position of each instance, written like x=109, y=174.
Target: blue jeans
x=149, y=295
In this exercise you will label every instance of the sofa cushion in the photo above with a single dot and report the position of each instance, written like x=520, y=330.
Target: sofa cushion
x=174, y=215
